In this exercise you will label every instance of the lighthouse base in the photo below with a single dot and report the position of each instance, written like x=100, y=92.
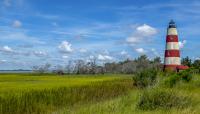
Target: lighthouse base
x=170, y=67
x=176, y=68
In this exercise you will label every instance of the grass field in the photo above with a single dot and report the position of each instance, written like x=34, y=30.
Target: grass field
x=17, y=82
x=126, y=104
x=83, y=94
x=30, y=93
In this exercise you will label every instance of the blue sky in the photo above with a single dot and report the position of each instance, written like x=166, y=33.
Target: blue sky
x=35, y=32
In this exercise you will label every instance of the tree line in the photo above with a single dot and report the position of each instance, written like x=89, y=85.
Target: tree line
x=127, y=66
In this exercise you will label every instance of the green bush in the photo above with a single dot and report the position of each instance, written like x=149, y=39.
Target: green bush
x=186, y=75
x=160, y=99
x=145, y=78
x=172, y=80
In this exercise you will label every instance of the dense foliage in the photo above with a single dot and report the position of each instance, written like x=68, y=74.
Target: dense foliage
x=91, y=67
x=145, y=78
x=173, y=78
x=128, y=66
x=156, y=99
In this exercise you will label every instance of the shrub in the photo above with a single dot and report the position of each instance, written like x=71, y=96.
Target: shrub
x=186, y=75
x=172, y=80
x=145, y=78
x=160, y=99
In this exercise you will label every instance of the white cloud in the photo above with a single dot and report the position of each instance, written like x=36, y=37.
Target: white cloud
x=142, y=34
x=17, y=24
x=3, y=61
x=83, y=50
x=197, y=58
x=123, y=52
x=91, y=57
x=65, y=57
x=65, y=47
x=104, y=57
x=146, y=30
x=6, y=49
x=40, y=53
x=182, y=43
x=9, y=50
x=140, y=50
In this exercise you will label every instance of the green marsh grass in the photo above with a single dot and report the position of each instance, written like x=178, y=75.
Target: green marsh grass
x=46, y=94
x=83, y=94
x=128, y=103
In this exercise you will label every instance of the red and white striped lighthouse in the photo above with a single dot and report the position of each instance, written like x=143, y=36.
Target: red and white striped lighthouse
x=172, y=53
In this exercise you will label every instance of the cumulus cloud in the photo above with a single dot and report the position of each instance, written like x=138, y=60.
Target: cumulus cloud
x=6, y=49
x=40, y=53
x=9, y=50
x=17, y=24
x=65, y=47
x=140, y=50
x=3, y=61
x=123, y=52
x=182, y=43
x=104, y=57
x=141, y=34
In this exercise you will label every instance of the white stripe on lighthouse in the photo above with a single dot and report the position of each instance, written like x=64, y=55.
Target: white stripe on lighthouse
x=172, y=31
x=172, y=61
x=172, y=46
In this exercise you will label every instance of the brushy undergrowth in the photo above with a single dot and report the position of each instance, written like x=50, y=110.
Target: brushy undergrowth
x=145, y=78
x=158, y=97
x=162, y=99
x=174, y=78
x=48, y=100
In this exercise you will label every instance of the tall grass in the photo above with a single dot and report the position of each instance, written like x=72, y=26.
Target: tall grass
x=162, y=99
x=22, y=82
x=48, y=100
x=145, y=78
x=184, y=98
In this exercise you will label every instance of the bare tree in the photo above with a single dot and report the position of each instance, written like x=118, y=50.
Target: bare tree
x=42, y=68
x=69, y=67
x=79, y=67
x=92, y=65
x=59, y=70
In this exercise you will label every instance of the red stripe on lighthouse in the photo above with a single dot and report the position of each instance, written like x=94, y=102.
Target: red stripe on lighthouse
x=172, y=38
x=172, y=53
